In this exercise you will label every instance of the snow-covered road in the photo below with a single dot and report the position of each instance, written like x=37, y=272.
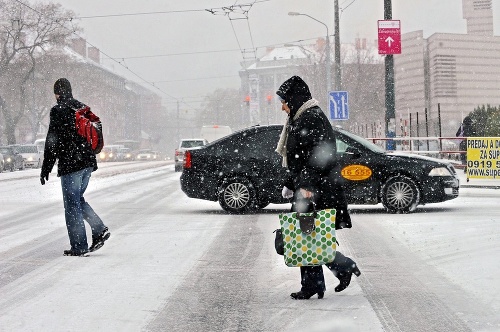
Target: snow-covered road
x=178, y=264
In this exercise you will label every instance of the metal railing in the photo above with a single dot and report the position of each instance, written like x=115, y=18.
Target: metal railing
x=437, y=147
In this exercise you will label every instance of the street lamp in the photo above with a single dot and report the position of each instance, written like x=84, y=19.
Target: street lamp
x=328, y=61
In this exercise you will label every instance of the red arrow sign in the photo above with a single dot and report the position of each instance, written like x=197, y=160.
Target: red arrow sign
x=389, y=37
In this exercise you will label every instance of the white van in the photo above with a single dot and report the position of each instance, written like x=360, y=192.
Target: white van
x=40, y=143
x=214, y=132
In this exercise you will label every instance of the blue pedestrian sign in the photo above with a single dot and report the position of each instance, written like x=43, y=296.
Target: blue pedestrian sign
x=338, y=104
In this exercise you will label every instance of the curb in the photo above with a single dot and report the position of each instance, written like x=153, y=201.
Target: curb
x=479, y=186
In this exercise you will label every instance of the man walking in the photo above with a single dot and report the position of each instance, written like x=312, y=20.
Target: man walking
x=76, y=162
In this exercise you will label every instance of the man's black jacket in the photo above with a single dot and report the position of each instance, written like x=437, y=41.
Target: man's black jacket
x=63, y=143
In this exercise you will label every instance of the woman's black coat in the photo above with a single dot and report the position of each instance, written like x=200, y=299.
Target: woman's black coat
x=311, y=153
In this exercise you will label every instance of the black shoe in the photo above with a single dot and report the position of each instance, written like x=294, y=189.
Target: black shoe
x=306, y=295
x=345, y=277
x=98, y=241
x=71, y=252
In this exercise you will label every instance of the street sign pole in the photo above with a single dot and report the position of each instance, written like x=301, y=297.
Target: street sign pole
x=389, y=41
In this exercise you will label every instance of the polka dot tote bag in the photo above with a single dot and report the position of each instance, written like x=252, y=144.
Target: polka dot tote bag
x=311, y=246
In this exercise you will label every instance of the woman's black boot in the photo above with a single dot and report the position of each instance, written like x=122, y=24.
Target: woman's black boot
x=345, y=277
x=343, y=267
x=306, y=295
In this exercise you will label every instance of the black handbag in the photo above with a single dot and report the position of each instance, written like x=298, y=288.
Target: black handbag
x=279, y=245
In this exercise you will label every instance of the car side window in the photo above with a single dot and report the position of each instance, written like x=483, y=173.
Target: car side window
x=228, y=146
x=342, y=146
x=260, y=145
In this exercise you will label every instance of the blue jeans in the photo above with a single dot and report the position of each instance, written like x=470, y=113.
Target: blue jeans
x=76, y=209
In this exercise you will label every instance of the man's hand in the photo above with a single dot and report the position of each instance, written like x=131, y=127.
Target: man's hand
x=43, y=178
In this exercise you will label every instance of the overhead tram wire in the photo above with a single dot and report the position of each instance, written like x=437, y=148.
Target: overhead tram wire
x=122, y=63
x=197, y=78
x=242, y=10
x=177, y=54
x=250, y=32
x=156, y=13
x=118, y=62
x=226, y=10
x=344, y=8
x=213, y=51
x=137, y=14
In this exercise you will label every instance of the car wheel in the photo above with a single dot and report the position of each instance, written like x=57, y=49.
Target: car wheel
x=237, y=195
x=400, y=194
x=12, y=167
x=22, y=166
x=178, y=168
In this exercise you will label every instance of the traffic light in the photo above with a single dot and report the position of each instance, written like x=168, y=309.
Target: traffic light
x=247, y=100
x=269, y=98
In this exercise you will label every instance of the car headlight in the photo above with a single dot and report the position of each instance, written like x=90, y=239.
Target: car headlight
x=440, y=171
x=9, y=160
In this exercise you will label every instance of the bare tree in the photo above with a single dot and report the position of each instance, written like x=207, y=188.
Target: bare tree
x=27, y=33
x=222, y=107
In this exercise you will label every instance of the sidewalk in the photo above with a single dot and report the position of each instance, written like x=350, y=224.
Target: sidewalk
x=477, y=183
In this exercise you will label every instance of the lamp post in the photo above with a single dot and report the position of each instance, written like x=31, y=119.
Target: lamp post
x=328, y=61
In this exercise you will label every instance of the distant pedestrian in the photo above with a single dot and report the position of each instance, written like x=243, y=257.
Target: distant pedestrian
x=465, y=130
x=75, y=164
x=308, y=147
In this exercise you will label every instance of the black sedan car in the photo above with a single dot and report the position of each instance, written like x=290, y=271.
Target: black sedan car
x=12, y=159
x=242, y=171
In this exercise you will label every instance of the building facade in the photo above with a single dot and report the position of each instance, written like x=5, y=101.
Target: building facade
x=362, y=77
x=128, y=111
x=446, y=76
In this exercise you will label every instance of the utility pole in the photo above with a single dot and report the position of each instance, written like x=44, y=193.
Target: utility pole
x=390, y=113
x=338, y=69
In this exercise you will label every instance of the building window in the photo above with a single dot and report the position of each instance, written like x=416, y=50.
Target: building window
x=445, y=75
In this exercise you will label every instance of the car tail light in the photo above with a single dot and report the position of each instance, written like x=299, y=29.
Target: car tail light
x=176, y=152
x=187, y=159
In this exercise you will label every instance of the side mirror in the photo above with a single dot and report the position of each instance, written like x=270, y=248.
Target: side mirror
x=353, y=153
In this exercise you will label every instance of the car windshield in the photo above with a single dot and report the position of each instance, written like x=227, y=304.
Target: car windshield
x=27, y=149
x=367, y=144
x=5, y=151
x=191, y=144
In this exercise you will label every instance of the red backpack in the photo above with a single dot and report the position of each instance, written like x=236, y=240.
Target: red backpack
x=89, y=127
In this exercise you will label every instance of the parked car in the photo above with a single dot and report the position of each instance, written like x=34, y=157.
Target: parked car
x=32, y=155
x=187, y=143
x=146, y=155
x=11, y=158
x=243, y=172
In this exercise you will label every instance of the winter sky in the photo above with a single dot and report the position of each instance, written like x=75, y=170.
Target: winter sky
x=200, y=51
